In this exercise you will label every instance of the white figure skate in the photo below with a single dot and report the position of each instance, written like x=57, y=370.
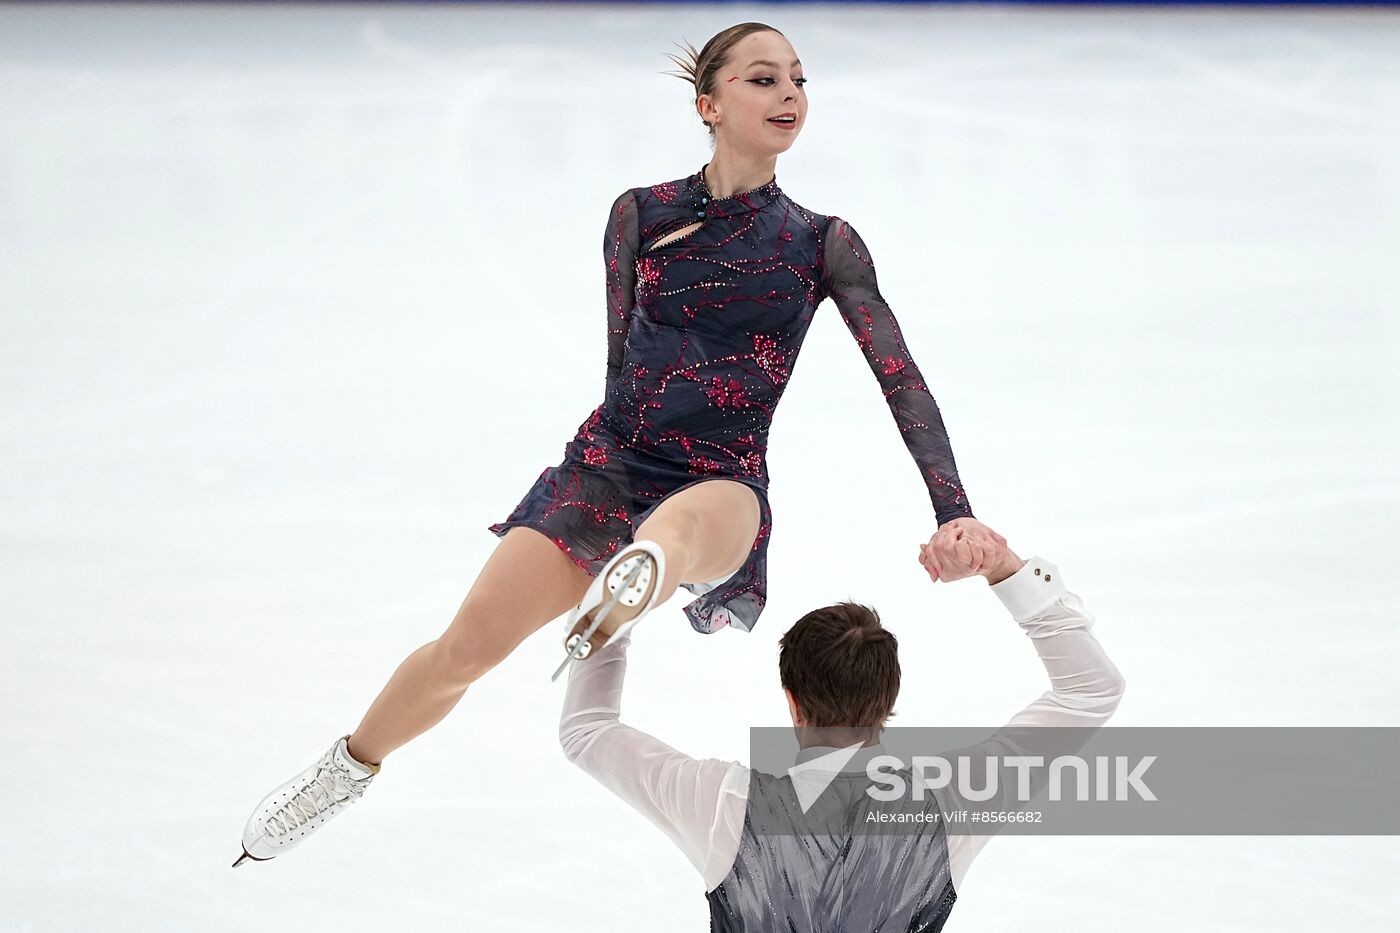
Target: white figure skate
x=291, y=813
x=631, y=579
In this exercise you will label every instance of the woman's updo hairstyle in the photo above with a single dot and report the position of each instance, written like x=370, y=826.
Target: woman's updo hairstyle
x=702, y=68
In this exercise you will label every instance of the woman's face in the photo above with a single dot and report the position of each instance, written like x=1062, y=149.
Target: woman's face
x=762, y=80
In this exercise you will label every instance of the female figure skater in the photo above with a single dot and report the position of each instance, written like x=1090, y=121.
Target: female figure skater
x=712, y=281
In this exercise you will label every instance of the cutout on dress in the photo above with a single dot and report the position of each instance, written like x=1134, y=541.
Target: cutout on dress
x=675, y=235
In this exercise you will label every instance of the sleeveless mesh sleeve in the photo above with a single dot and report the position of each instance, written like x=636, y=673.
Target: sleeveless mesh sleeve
x=849, y=279
x=620, y=247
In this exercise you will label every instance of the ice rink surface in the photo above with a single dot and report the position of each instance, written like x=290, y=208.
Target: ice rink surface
x=296, y=301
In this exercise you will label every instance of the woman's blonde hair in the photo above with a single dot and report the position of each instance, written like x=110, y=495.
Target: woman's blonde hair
x=702, y=68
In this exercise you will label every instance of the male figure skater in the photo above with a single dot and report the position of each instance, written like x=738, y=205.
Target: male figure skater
x=840, y=671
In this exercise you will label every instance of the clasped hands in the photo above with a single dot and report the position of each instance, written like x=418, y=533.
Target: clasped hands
x=964, y=547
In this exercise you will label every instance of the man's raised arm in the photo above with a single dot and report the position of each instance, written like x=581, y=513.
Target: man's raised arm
x=1085, y=686
x=690, y=800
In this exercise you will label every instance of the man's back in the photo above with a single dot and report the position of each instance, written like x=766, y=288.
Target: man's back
x=790, y=874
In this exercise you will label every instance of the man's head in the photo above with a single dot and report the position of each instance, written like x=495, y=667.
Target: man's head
x=839, y=668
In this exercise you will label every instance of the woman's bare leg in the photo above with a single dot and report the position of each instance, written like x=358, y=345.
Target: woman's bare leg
x=526, y=582
x=706, y=530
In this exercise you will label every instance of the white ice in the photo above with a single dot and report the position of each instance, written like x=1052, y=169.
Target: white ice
x=295, y=301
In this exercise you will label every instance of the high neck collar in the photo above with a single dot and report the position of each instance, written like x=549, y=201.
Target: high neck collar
x=751, y=200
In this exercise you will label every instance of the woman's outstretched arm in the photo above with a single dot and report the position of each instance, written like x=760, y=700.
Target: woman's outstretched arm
x=620, y=247
x=848, y=277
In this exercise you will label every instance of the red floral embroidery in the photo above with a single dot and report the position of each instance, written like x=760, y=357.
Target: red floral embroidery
x=770, y=358
x=665, y=193
x=648, y=275
x=592, y=423
x=703, y=465
x=596, y=456
x=726, y=393
x=751, y=463
x=893, y=364
x=861, y=329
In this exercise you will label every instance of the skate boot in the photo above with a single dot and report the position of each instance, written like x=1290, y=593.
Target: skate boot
x=624, y=591
x=292, y=812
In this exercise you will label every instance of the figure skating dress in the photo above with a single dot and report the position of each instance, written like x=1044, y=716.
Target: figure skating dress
x=703, y=333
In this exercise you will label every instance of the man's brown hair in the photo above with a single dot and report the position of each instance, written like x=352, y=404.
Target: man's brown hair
x=841, y=665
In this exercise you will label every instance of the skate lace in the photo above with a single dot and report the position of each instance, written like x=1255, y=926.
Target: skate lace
x=327, y=788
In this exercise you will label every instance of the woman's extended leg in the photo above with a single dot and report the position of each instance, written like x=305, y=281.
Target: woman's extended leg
x=526, y=583
x=706, y=531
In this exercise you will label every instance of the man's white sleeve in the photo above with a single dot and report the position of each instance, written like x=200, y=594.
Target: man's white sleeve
x=698, y=803
x=1085, y=689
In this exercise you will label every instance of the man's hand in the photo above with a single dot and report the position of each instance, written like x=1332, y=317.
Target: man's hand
x=962, y=548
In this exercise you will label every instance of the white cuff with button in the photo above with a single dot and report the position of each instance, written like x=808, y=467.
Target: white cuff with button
x=1031, y=589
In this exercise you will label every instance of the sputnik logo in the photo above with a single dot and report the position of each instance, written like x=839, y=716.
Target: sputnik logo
x=811, y=778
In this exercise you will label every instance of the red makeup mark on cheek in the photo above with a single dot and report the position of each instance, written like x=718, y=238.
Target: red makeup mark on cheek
x=735, y=78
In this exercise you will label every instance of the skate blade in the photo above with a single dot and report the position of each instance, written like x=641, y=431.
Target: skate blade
x=245, y=855
x=572, y=654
